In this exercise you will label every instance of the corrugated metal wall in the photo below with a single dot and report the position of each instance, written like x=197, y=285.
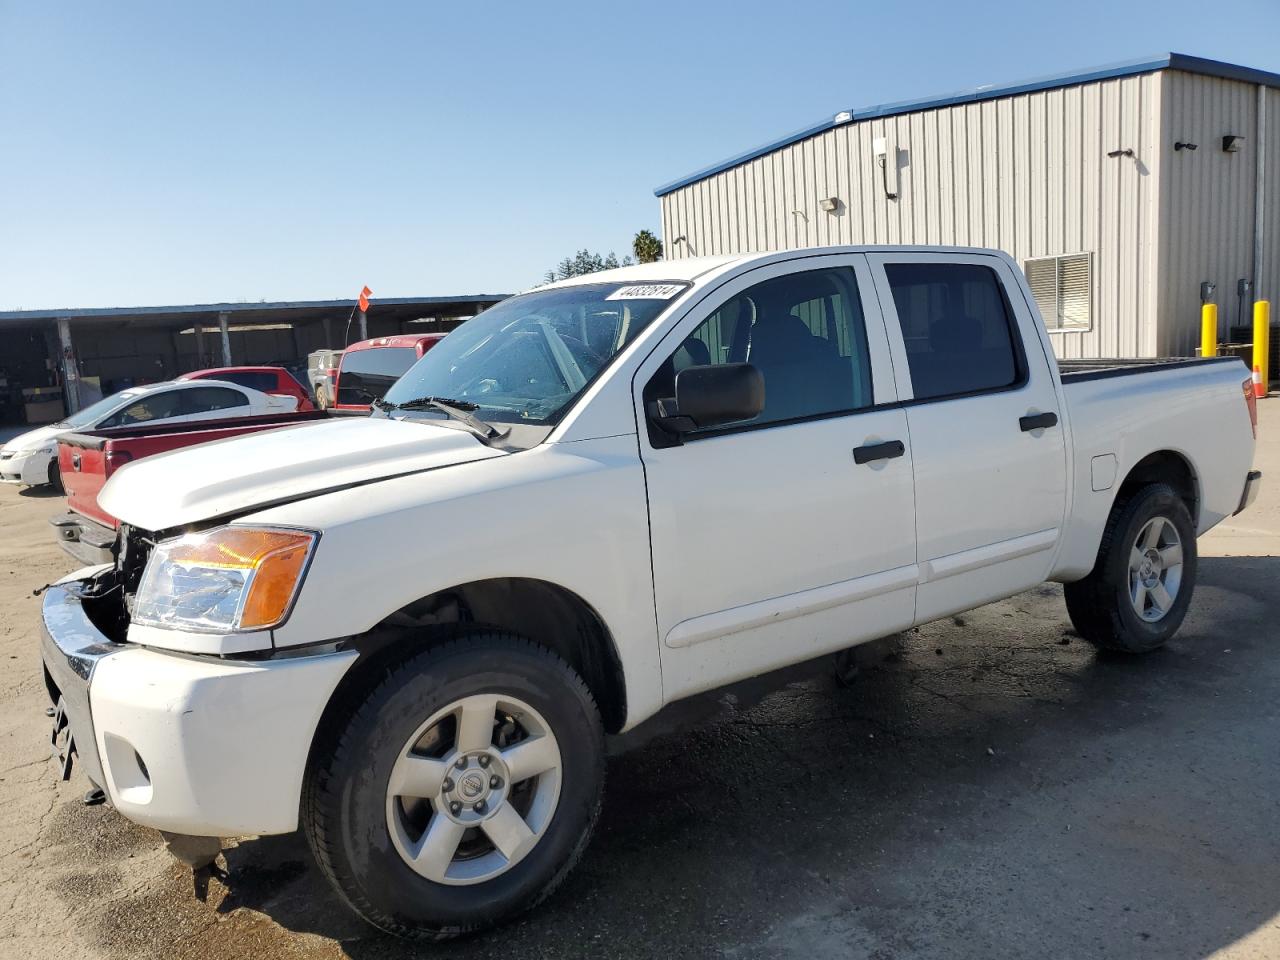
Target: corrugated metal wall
x=1027, y=174
x=1207, y=208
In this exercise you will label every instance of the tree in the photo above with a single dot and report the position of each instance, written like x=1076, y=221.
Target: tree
x=584, y=262
x=647, y=247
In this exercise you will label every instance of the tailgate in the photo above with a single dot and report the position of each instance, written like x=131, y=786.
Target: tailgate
x=82, y=463
x=87, y=460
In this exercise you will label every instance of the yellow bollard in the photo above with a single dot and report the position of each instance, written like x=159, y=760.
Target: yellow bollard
x=1262, y=340
x=1209, y=330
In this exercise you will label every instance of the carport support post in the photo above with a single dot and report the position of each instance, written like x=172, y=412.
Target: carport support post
x=226, y=339
x=70, y=375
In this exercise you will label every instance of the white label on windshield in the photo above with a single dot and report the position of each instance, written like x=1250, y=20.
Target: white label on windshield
x=646, y=291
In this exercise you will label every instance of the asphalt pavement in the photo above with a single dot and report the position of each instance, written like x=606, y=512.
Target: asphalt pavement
x=988, y=786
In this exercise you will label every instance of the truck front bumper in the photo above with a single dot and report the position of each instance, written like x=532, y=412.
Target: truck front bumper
x=187, y=744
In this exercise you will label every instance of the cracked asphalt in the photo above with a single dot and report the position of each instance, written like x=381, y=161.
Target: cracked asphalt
x=987, y=787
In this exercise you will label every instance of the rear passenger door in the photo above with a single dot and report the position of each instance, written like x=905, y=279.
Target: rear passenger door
x=792, y=534
x=982, y=411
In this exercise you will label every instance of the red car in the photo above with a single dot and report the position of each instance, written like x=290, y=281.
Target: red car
x=273, y=380
x=370, y=367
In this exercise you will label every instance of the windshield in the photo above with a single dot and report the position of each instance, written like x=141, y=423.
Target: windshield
x=528, y=358
x=90, y=414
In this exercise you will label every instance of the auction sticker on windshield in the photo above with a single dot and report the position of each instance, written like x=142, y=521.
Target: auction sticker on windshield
x=646, y=291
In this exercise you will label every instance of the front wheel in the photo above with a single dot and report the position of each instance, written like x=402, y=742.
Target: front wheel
x=1135, y=598
x=459, y=789
x=55, y=476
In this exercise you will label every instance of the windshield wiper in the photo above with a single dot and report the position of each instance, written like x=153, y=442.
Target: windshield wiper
x=459, y=410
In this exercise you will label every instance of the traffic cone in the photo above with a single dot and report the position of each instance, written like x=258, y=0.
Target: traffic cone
x=1259, y=388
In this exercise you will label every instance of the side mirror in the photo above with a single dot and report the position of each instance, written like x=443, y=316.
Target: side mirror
x=712, y=395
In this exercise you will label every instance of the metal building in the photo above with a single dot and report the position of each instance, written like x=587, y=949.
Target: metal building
x=1120, y=189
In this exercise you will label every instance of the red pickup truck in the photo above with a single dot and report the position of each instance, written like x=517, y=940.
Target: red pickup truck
x=87, y=460
x=370, y=367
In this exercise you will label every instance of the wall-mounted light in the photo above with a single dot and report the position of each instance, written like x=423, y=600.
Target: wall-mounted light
x=1183, y=145
x=844, y=116
x=880, y=150
x=830, y=204
x=1232, y=144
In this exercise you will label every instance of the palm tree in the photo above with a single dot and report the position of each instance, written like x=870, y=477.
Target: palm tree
x=646, y=247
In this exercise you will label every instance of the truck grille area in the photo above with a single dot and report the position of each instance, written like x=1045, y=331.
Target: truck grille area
x=107, y=599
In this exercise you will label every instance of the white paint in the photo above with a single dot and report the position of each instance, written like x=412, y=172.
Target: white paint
x=225, y=743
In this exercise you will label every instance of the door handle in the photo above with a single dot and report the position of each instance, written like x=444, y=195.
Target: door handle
x=1037, y=421
x=879, y=451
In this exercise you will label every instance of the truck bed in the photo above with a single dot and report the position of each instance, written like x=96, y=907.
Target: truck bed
x=1098, y=369
x=87, y=460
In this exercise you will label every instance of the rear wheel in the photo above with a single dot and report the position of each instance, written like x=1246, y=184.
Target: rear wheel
x=458, y=790
x=322, y=397
x=1137, y=595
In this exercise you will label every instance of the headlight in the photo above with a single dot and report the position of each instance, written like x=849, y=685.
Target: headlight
x=228, y=579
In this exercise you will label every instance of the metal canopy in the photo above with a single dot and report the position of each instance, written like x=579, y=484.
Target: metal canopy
x=207, y=314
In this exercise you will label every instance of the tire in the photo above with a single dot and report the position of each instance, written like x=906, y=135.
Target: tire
x=322, y=397
x=358, y=824
x=55, y=477
x=1104, y=606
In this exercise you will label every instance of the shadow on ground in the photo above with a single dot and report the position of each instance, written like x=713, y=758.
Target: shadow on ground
x=992, y=789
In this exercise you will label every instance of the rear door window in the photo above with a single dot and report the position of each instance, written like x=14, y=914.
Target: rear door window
x=957, y=328
x=366, y=375
x=211, y=399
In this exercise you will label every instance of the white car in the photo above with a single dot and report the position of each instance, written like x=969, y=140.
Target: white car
x=31, y=458
x=409, y=633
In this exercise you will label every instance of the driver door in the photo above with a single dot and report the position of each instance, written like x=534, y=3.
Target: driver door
x=792, y=534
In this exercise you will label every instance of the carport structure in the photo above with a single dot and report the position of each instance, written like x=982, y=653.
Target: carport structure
x=73, y=354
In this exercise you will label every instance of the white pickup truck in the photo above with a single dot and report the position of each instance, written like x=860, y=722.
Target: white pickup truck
x=409, y=633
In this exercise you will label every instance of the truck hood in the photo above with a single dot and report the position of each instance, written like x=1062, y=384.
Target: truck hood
x=230, y=476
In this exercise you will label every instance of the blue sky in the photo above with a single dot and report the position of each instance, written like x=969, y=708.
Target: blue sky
x=155, y=153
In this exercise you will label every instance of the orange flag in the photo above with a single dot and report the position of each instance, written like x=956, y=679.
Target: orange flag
x=365, y=294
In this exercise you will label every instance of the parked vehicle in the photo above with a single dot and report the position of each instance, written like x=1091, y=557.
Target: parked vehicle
x=370, y=367
x=587, y=502
x=322, y=374
x=87, y=460
x=275, y=380
x=32, y=457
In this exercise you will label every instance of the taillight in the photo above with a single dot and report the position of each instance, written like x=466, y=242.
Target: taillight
x=114, y=460
x=1251, y=402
